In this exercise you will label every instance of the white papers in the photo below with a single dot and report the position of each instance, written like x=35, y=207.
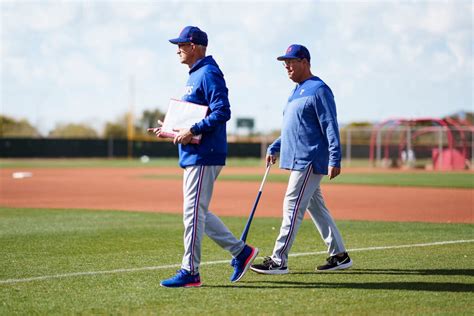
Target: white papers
x=182, y=114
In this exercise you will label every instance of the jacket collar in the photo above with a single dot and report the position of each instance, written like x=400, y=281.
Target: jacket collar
x=201, y=62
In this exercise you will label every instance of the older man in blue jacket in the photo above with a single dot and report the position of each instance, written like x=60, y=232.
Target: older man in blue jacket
x=309, y=146
x=203, y=162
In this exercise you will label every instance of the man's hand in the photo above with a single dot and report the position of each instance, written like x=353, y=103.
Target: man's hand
x=271, y=159
x=156, y=130
x=333, y=172
x=183, y=137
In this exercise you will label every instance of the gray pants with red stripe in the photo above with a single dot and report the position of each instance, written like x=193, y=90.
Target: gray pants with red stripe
x=304, y=194
x=198, y=184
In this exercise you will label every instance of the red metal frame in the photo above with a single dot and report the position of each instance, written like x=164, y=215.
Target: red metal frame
x=449, y=124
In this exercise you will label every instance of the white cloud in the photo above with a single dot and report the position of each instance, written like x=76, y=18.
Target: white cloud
x=460, y=44
x=56, y=43
x=438, y=19
x=137, y=61
x=374, y=55
x=103, y=41
x=37, y=16
x=77, y=71
x=135, y=11
x=16, y=68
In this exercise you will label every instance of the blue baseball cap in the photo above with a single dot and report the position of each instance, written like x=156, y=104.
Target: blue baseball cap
x=296, y=51
x=191, y=34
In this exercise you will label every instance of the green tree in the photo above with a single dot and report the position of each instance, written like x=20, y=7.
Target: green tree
x=275, y=133
x=73, y=131
x=360, y=132
x=9, y=127
x=117, y=129
x=464, y=117
x=360, y=124
x=470, y=117
x=150, y=118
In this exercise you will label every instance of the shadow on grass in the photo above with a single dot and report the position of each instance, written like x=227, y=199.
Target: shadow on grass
x=406, y=286
x=466, y=272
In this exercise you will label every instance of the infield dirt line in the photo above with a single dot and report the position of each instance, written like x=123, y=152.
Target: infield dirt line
x=75, y=274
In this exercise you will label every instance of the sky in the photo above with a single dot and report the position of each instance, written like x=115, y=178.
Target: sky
x=74, y=61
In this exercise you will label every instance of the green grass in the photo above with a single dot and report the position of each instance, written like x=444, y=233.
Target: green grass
x=428, y=179
x=436, y=279
x=85, y=163
x=112, y=163
x=127, y=163
x=436, y=180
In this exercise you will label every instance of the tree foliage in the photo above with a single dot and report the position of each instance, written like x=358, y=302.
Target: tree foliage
x=9, y=127
x=465, y=118
x=73, y=131
x=360, y=124
x=360, y=132
x=117, y=129
x=148, y=118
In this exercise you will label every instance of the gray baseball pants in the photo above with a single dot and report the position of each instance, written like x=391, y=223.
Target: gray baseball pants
x=304, y=194
x=198, y=184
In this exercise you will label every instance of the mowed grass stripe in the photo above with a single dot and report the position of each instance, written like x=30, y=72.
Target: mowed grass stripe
x=416, y=179
x=90, y=273
x=433, y=180
x=153, y=162
x=136, y=162
x=411, y=280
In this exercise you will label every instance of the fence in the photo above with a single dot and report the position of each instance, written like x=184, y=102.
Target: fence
x=110, y=148
x=428, y=147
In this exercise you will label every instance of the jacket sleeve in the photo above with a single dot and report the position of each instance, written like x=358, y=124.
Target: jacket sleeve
x=326, y=111
x=274, y=147
x=216, y=96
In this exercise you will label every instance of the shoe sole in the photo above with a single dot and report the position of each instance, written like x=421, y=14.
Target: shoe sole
x=193, y=284
x=339, y=267
x=249, y=261
x=270, y=271
x=185, y=285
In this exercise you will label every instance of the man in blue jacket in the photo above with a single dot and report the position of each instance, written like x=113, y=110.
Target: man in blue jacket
x=309, y=146
x=203, y=162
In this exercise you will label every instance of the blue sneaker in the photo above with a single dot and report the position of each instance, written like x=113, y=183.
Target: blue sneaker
x=242, y=262
x=182, y=279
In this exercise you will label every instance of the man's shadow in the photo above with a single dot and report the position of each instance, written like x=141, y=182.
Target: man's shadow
x=424, y=272
x=272, y=282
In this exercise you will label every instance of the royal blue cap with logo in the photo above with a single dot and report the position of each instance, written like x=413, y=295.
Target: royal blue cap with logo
x=191, y=34
x=296, y=51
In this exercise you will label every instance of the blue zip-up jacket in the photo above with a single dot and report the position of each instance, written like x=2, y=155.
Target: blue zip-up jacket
x=310, y=133
x=206, y=86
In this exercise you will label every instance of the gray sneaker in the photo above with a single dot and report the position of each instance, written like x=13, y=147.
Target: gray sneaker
x=269, y=267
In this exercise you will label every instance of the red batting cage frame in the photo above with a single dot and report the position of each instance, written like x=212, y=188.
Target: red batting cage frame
x=449, y=143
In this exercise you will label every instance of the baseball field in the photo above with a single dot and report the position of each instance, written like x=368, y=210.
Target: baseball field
x=97, y=236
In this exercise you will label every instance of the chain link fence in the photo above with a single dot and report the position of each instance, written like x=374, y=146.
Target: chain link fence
x=429, y=147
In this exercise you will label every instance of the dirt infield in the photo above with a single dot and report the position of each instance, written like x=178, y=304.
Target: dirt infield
x=130, y=190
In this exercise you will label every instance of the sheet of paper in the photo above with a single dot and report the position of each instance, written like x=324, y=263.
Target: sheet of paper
x=182, y=114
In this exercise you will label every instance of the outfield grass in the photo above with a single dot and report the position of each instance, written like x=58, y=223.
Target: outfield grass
x=129, y=163
x=435, y=180
x=436, y=279
x=432, y=179
x=85, y=163
x=112, y=163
